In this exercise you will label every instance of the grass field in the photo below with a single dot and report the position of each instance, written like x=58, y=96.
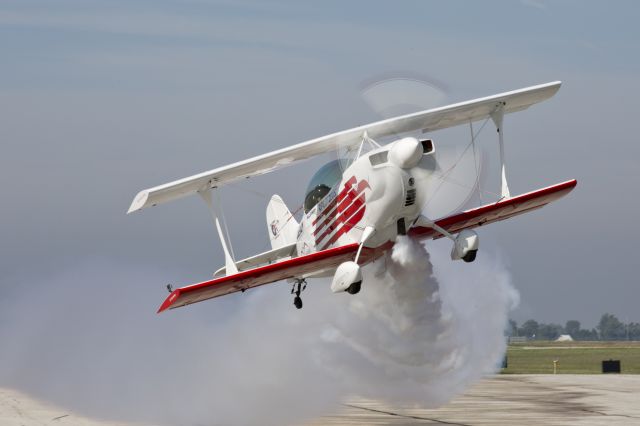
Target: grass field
x=537, y=357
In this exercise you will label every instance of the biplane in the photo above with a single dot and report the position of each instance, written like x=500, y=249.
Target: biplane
x=353, y=213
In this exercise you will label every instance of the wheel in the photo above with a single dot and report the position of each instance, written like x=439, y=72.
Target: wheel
x=297, y=302
x=354, y=288
x=470, y=256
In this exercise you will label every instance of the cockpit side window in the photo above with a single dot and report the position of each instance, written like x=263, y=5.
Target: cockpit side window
x=321, y=183
x=314, y=196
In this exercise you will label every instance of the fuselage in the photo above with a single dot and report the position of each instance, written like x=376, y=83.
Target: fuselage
x=383, y=189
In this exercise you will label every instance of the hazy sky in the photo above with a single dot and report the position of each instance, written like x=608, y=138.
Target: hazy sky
x=99, y=99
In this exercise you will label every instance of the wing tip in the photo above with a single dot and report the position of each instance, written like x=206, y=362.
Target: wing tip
x=571, y=183
x=551, y=88
x=169, y=301
x=139, y=201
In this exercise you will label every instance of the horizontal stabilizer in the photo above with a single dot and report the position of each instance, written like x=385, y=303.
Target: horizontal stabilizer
x=270, y=256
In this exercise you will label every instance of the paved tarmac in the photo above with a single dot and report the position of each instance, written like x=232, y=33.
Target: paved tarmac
x=18, y=409
x=563, y=399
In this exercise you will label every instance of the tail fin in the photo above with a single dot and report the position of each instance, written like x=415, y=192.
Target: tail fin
x=282, y=226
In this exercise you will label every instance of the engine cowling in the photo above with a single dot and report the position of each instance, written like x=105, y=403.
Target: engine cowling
x=348, y=277
x=465, y=246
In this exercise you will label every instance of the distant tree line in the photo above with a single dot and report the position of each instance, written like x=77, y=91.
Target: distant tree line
x=609, y=328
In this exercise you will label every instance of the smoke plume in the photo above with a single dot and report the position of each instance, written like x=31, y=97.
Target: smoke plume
x=88, y=339
x=413, y=338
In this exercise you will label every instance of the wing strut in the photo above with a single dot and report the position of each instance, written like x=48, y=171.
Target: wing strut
x=425, y=222
x=366, y=234
x=497, y=116
x=365, y=139
x=218, y=218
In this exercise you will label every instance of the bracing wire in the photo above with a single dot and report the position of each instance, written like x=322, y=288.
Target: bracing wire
x=444, y=176
x=475, y=161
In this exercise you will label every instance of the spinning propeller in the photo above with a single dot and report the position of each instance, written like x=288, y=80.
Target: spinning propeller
x=455, y=178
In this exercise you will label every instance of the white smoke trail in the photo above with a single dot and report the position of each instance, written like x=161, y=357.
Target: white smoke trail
x=88, y=339
x=418, y=339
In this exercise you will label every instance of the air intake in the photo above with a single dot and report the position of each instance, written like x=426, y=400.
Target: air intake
x=427, y=146
x=379, y=158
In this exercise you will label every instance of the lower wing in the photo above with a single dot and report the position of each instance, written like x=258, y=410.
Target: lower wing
x=327, y=259
x=290, y=268
x=501, y=210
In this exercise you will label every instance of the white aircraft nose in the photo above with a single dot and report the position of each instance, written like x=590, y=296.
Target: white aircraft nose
x=406, y=153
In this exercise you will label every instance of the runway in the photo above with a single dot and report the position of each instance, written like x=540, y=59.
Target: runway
x=581, y=400
x=514, y=400
x=19, y=409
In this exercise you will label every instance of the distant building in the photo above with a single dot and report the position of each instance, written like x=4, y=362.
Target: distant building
x=564, y=338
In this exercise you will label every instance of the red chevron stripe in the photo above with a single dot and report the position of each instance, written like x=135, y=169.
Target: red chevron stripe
x=346, y=227
x=352, y=198
x=326, y=210
x=335, y=201
x=348, y=199
x=351, y=212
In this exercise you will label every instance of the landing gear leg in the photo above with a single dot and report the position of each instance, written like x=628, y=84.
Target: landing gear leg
x=297, y=289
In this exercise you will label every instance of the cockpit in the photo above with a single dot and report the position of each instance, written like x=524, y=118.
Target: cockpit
x=321, y=183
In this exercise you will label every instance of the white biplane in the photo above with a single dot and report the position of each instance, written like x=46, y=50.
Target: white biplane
x=353, y=215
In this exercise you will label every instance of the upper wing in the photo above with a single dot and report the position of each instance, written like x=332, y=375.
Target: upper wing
x=429, y=120
x=500, y=210
x=294, y=267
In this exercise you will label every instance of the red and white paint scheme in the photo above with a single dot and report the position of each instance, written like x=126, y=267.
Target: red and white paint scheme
x=354, y=210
